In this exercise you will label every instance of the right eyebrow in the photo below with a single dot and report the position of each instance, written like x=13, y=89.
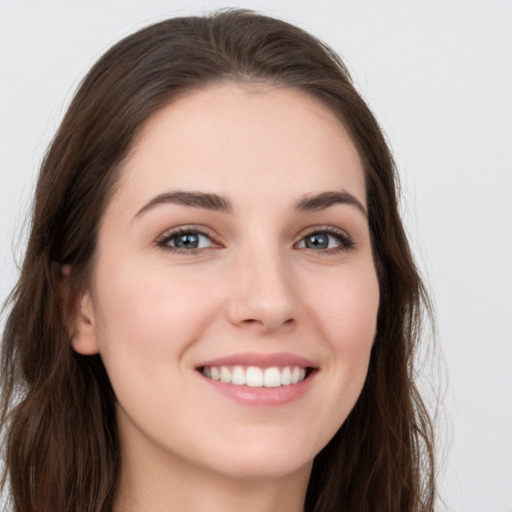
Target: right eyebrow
x=194, y=199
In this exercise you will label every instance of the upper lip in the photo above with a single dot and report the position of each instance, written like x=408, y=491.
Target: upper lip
x=261, y=360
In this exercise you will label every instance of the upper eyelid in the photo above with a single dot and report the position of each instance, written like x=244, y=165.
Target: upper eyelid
x=324, y=229
x=178, y=230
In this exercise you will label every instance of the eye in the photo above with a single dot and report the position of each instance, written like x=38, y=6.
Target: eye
x=330, y=240
x=186, y=240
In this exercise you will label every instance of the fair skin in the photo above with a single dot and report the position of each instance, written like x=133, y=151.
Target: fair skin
x=263, y=278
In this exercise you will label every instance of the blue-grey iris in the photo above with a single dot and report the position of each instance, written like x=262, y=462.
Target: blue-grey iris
x=317, y=241
x=187, y=241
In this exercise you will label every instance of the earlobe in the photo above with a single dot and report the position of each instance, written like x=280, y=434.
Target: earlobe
x=79, y=315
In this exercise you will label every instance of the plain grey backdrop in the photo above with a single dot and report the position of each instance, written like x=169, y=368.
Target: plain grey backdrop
x=437, y=73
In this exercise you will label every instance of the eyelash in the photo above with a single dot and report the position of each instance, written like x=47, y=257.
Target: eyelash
x=346, y=242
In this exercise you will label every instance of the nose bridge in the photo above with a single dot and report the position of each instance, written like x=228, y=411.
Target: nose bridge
x=263, y=291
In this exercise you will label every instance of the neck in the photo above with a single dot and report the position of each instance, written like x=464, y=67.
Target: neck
x=149, y=481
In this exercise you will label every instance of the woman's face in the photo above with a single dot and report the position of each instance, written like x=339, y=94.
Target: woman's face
x=235, y=247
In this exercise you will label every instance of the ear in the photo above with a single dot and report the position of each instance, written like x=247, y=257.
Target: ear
x=84, y=339
x=80, y=317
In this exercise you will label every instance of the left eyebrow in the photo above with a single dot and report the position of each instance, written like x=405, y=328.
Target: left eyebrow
x=326, y=199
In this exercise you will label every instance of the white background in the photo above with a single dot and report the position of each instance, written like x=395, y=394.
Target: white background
x=437, y=73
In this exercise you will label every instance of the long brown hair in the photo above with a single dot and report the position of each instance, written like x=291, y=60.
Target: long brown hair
x=57, y=409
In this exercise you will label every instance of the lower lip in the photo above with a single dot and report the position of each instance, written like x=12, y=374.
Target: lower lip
x=262, y=396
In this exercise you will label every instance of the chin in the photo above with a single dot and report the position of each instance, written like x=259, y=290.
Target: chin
x=270, y=469
x=264, y=461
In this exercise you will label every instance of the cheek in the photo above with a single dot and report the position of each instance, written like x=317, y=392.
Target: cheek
x=347, y=317
x=348, y=307
x=153, y=314
x=343, y=312
x=146, y=324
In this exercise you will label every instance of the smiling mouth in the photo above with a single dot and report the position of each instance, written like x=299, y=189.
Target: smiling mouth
x=256, y=377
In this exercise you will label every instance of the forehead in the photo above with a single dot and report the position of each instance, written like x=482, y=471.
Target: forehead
x=243, y=141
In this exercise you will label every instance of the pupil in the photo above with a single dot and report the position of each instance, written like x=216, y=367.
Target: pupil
x=189, y=241
x=317, y=242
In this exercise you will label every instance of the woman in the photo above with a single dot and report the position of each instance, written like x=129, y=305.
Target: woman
x=218, y=308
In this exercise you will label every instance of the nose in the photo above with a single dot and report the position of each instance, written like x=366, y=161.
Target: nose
x=262, y=295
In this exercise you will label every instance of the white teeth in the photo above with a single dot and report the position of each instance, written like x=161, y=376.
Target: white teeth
x=238, y=376
x=255, y=377
x=225, y=374
x=286, y=376
x=272, y=378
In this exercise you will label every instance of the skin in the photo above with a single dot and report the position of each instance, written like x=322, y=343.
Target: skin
x=253, y=285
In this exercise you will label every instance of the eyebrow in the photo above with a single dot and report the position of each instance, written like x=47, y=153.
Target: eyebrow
x=324, y=200
x=208, y=201
x=194, y=199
